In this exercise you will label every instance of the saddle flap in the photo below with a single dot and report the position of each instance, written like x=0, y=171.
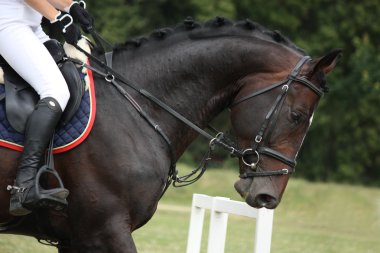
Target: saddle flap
x=20, y=99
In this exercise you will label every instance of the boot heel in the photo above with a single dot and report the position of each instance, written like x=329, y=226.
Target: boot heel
x=16, y=208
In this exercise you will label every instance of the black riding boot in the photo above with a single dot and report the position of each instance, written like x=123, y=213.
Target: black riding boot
x=38, y=133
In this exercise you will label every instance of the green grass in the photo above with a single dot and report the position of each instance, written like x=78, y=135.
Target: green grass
x=313, y=217
x=22, y=244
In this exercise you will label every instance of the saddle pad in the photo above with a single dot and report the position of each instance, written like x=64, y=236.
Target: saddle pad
x=66, y=137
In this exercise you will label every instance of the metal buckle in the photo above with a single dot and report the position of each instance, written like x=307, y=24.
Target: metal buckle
x=258, y=138
x=15, y=188
x=285, y=87
x=252, y=165
x=109, y=78
x=285, y=171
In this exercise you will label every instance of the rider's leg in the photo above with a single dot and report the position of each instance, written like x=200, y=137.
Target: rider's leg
x=39, y=131
x=29, y=57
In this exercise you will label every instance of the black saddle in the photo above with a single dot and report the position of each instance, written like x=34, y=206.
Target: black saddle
x=21, y=98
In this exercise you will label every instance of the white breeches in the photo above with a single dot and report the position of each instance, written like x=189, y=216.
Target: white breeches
x=22, y=47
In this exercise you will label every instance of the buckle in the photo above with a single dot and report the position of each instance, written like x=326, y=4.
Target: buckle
x=14, y=189
x=285, y=171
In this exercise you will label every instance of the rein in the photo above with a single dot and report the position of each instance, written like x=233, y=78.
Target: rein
x=112, y=77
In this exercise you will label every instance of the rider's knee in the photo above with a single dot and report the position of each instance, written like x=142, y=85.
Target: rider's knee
x=61, y=92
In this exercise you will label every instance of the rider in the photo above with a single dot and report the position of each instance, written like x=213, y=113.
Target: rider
x=22, y=46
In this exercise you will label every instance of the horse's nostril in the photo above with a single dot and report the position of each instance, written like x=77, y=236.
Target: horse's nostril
x=266, y=200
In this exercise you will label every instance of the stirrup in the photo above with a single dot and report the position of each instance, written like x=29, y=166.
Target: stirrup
x=24, y=199
x=53, y=198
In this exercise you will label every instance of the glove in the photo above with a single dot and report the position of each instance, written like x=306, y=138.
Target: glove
x=64, y=23
x=80, y=15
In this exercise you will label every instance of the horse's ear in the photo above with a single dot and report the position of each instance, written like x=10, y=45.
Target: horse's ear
x=328, y=62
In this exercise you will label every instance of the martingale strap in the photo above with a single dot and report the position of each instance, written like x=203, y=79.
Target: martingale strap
x=112, y=77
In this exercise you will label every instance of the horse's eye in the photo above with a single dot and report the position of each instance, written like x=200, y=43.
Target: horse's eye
x=296, y=117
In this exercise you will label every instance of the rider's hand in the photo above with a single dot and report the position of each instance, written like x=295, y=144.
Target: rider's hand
x=80, y=15
x=64, y=22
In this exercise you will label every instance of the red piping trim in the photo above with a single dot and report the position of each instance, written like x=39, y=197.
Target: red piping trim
x=91, y=120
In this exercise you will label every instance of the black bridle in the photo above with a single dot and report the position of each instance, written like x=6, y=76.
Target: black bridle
x=113, y=77
x=256, y=150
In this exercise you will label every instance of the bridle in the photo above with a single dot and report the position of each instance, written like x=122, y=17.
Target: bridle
x=113, y=77
x=257, y=149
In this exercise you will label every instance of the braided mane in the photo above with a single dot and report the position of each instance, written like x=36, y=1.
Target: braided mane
x=216, y=27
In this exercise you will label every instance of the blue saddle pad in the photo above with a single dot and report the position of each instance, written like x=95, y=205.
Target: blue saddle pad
x=66, y=137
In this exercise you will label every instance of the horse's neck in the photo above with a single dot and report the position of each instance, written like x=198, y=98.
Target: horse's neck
x=197, y=79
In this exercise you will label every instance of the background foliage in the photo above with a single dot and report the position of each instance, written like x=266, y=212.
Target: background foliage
x=343, y=143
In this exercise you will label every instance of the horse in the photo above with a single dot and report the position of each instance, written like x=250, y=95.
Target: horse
x=182, y=77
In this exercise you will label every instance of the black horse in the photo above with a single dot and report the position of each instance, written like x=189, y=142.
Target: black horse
x=116, y=177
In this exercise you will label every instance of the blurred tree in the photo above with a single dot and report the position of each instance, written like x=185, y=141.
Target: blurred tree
x=118, y=20
x=344, y=141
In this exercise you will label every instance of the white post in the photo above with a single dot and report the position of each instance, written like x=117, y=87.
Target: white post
x=264, y=223
x=218, y=228
x=196, y=222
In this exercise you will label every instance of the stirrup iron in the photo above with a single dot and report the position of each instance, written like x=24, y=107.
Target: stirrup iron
x=55, y=197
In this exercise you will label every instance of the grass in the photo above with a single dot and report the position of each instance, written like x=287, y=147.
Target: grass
x=22, y=244
x=313, y=217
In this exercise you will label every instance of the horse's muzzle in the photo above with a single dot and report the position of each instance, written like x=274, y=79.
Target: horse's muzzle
x=258, y=192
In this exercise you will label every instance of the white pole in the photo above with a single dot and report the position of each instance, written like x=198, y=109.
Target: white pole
x=218, y=228
x=264, y=223
x=196, y=223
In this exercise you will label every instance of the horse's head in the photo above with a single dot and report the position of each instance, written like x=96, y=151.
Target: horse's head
x=271, y=115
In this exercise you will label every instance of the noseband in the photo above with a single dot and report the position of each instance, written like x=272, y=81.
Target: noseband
x=256, y=150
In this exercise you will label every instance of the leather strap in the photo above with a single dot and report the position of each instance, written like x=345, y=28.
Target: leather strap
x=258, y=93
x=277, y=155
x=266, y=173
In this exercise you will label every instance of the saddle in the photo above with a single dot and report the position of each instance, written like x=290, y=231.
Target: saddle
x=21, y=98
